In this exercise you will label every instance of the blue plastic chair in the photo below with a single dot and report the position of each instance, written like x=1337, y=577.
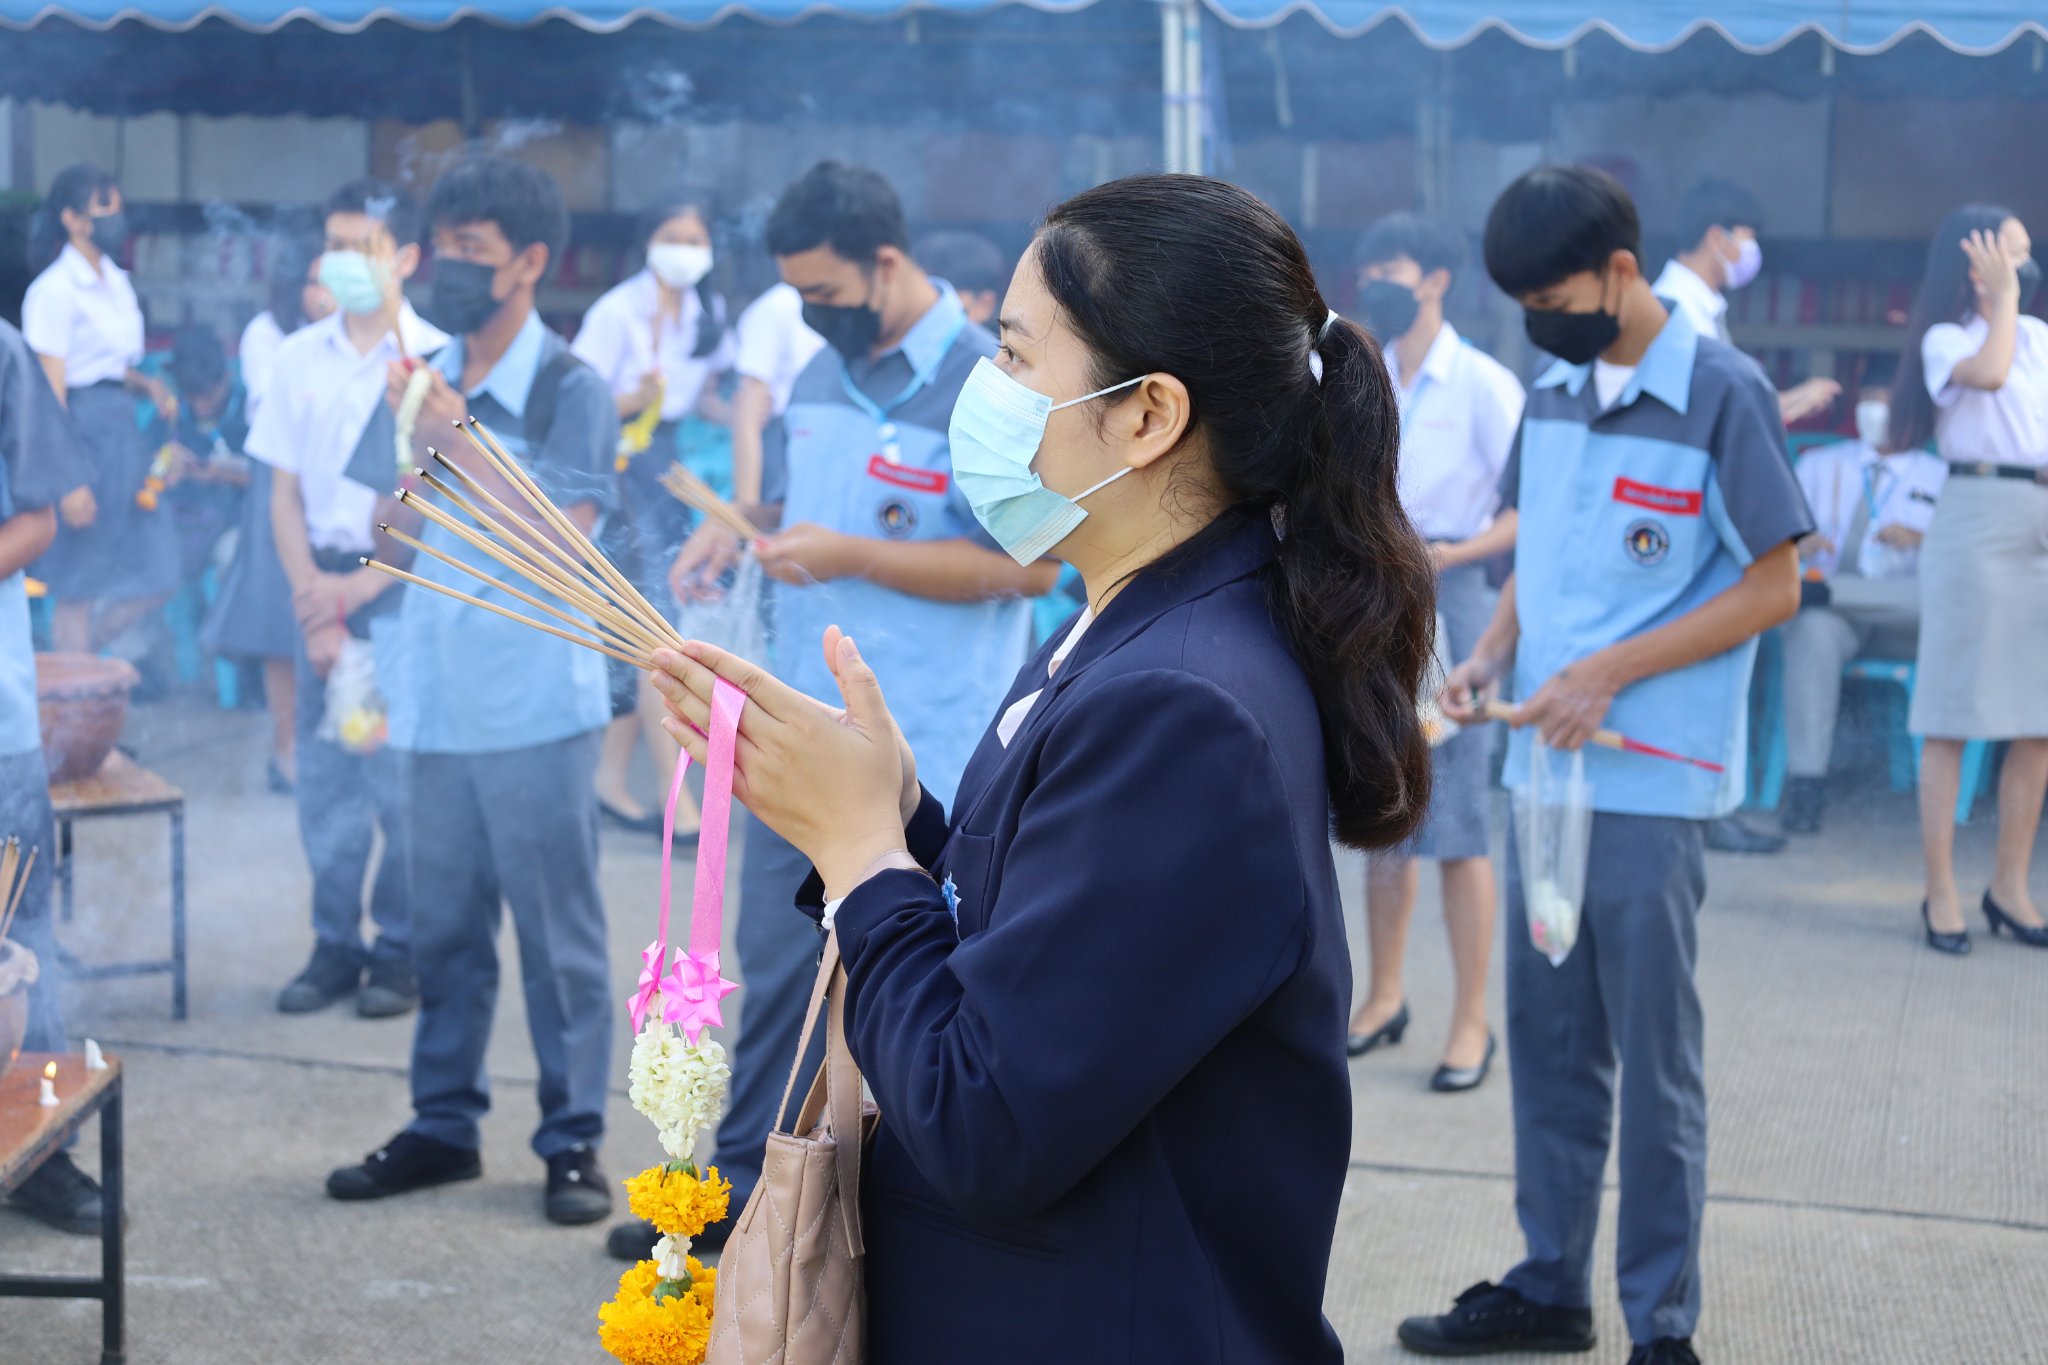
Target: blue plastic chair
x=1903, y=748
x=185, y=614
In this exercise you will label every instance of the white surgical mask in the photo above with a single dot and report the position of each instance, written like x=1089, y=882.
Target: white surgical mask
x=677, y=265
x=1873, y=422
x=1748, y=263
x=998, y=425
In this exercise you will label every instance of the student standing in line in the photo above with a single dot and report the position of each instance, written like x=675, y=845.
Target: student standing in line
x=1974, y=376
x=1459, y=410
x=973, y=266
x=875, y=535
x=1861, y=592
x=113, y=561
x=252, y=618
x=660, y=340
x=39, y=464
x=495, y=726
x=1656, y=538
x=327, y=384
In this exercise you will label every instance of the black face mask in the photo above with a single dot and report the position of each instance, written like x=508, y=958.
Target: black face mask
x=1390, y=309
x=1574, y=338
x=2030, y=281
x=110, y=232
x=851, y=331
x=462, y=301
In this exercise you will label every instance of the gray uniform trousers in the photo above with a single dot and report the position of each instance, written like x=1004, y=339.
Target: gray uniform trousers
x=343, y=799
x=1626, y=993
x=26, y=813
x=779, y=950
x=516, y=827
x=1877, y=616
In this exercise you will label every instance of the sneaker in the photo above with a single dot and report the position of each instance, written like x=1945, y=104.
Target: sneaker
x=61, y=1195
x=1805, y=800
x=406, y=1163
x=634, y=1241
x=577, y=1192
x=1665, y=1351
x=1489, y=1318
x=390, y=989
x=332, y=973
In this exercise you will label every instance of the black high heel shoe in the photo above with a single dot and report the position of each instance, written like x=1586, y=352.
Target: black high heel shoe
x=1955, y=944
x=2033, y=935
x=1358, y=1044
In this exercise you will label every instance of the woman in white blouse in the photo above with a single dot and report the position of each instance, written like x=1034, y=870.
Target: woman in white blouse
x=1974, y=377
x=114, y=560
x=660, y=340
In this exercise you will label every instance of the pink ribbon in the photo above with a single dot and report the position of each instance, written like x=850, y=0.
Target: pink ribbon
x=693, y=987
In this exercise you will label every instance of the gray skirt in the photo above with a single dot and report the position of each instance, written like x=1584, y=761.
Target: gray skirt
x=128, y=551
x=1983, y=667
x=1456, y=824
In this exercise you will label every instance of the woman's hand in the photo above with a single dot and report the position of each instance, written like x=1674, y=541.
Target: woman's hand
x=912, y=793
x=702, y=561
x=808, y=553
x=1992, y=269
x=830, y=783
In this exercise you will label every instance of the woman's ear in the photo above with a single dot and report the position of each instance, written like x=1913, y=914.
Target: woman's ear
x=1151, y=423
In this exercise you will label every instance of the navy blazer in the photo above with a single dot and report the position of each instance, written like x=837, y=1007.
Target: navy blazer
x=1115, y=1110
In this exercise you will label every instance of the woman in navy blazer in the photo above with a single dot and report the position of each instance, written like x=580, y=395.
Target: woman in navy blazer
x=1103, y=1007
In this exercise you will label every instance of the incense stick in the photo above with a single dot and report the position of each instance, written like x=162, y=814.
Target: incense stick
x=575, y=622
x=20, y=887
x=402, y=576
x=694, y=492
x=1608, y=739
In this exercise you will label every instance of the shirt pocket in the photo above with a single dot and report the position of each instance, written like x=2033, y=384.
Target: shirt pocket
x=963, y=873
x=1647, y=524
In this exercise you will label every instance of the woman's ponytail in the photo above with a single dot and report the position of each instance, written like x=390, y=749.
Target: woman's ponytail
x=1196, y=278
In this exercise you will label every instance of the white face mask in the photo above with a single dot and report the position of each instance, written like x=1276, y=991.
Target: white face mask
x=1748, y=263
x=1873, y=422
x=677, y=265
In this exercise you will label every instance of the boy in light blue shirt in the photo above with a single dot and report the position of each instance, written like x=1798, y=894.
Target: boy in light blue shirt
x=1657, y=521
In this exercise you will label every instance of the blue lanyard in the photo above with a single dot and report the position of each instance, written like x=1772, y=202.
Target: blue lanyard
x=885, y=428
x=1870, y=502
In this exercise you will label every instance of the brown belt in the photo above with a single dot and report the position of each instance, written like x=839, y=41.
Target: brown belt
x=1985, y=469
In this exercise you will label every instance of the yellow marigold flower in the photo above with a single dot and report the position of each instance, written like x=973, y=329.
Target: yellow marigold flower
x=677, y=1202
x=636, y=1330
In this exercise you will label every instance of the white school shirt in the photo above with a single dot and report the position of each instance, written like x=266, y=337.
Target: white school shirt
x=1903, y=489
x=1705, y=305
x=322, y=393
x=2007, y=425
x=775, y=344
x=1457, y=424
x=87, y=318
x=258, y=354
x=617, y=340
x=1020, y=710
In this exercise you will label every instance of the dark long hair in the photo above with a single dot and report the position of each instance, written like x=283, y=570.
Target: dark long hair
x=75, y=187
x=1183, y=275
x=1946, y=295
x=710, y=323
x=291, y=262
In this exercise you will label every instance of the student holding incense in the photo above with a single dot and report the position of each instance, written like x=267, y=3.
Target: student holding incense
x=876, y=535
x=326, y=393
x=40, y=463
x=1102, y=1008
x=495, y=726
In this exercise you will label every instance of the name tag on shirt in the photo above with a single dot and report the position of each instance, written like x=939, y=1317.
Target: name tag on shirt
x=904, y=476
x=1676, y=502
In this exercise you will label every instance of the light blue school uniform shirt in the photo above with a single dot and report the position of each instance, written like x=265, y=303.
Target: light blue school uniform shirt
x=458, y=679
x=1632, y=517
x=869, y=456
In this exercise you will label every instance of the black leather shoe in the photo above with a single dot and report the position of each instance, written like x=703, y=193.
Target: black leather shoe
x=332, y=973
x=61, y=1195
x=1665, y=1351
x=1954, y=944
x=390, y=989
x=1490, y=1318
x=633, y=1241
x=1448, y=1080
x=2033, y=935
x=577, y=1192
x=406, y=1163
x=1358, y=1044
x=1730, y=835
x=1805, y=800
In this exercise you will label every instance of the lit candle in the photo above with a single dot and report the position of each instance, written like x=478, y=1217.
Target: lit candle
x=95, y=1060
x=48, y=1098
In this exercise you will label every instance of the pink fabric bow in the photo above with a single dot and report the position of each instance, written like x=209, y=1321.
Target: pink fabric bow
x=691, y=991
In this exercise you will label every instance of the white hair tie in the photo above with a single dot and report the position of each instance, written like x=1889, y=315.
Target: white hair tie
x=1315, y=352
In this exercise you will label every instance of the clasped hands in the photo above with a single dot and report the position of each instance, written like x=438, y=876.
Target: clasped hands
x=839, y=783
x=1566, y=710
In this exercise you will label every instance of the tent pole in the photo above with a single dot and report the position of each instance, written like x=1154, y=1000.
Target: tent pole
x=1172, y=90
x=1194, y=71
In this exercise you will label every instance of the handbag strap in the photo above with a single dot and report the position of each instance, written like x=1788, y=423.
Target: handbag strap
x=835, y=1093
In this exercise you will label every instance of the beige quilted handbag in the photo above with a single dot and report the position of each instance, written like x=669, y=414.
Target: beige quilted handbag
x=789, y=1284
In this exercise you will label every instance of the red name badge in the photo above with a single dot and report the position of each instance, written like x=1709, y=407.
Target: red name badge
x=1675, y=502
x=903, y=476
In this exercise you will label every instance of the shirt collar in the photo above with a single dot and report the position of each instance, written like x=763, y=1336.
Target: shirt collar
x=932, y=335
x=421, y=337
x=1442, y=357
x=512, y=377
x=1664, y=372
x=81, y=269
x=1681, y=282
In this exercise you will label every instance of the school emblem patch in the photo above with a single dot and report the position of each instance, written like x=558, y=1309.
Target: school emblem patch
x=897, y=518
x=1647, y=542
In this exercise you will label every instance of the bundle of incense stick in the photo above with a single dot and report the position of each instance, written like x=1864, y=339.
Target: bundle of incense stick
x=601, y=609
x=14, y=870
x=1607, y=739
x=691, y=490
